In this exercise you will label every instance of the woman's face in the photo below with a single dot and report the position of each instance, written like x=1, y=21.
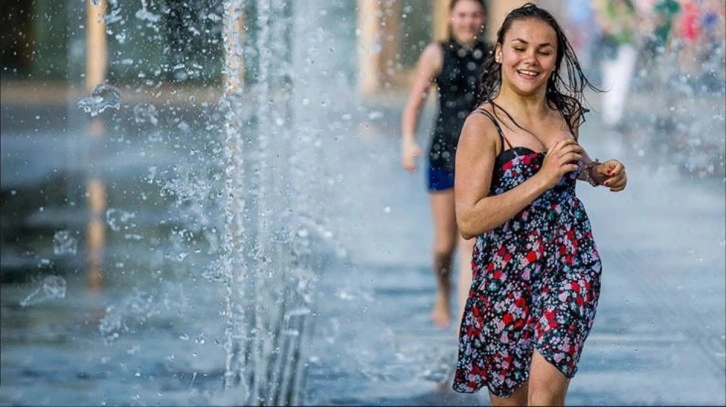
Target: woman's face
x=467, y=20
x=528, y=55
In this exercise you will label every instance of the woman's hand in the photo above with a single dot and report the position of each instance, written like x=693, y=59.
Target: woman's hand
x=410, y=151
x=611, y=174
x=562, y=158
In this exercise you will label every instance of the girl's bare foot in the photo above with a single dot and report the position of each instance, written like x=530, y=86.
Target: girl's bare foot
x=441, y=314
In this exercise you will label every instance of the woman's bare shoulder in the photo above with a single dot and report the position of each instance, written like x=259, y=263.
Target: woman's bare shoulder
x=432, y=55
x=479, y=127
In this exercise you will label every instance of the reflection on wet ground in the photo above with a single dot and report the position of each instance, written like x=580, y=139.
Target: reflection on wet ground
x=154, y=332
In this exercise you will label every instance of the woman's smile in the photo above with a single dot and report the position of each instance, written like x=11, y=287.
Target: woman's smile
x=528, y=74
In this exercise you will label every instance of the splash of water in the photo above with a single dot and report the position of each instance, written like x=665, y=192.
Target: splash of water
x=261, y=264
x=64, y=243
x=118, y=219
x=52, y=287
x=104, y=96
x=146, y=113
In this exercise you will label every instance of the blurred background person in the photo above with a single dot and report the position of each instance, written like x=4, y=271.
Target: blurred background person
x=618, y=22
x=712, y=39
x=453, y=66
x=659, y=18
x=582, y=30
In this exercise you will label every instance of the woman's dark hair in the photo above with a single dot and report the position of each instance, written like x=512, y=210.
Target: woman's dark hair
x=564, y=95
x=453, y=3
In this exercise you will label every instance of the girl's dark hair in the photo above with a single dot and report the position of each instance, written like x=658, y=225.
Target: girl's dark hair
x=564, y=95
x=453, y=3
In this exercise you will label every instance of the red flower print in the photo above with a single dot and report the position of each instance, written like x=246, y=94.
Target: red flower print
x=519, y=302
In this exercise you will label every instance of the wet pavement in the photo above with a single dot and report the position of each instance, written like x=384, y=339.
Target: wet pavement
x=659, y=336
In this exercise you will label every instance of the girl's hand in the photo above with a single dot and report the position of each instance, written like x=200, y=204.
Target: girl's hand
x=611, y=174
x=410, y=151
x=561, y=159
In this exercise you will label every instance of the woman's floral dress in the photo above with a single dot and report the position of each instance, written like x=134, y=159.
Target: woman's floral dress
x=536, y=284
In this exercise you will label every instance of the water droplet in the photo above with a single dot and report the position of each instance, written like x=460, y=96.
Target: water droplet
x=104, y=96
x=115, y=218
x=146, y=113
x=52, y=287
x=64, y=243
x=374, y=115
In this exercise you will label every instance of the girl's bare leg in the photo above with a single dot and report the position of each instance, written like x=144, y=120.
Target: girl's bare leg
x=445, y=237
x=518, y=398
x=547, y=385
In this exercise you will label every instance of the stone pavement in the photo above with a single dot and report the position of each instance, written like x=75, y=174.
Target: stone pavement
x=659, y=336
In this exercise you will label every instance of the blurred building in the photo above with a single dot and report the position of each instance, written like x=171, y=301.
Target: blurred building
x=180, y=43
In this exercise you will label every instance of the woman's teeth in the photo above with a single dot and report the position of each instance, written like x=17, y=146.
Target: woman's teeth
x=528, y=73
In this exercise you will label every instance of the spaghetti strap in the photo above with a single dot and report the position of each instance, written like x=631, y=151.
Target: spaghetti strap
x=496, y=124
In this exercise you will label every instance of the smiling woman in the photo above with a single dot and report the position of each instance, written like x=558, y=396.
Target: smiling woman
x=454, y=66
x=535, y=265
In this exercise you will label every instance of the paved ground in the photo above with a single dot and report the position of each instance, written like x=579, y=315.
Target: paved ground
x=659, y=336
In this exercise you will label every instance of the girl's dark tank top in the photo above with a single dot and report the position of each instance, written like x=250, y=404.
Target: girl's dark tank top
x=457, y=85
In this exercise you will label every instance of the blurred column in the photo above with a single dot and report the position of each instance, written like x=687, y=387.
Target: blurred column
x=96, y=65
x=369, y=33
x=234, y=38
x=391, y=36
x=379, y=43
x=440, y=10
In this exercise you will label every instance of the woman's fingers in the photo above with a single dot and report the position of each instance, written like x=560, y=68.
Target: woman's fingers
x=618, y=183
x=409, y=156
x=617, y=178
x=568, y=150
x=564, y=156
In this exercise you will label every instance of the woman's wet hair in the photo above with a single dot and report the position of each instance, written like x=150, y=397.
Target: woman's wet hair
x=564, y=94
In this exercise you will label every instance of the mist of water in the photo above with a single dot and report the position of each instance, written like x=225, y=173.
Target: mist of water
x=267, y=277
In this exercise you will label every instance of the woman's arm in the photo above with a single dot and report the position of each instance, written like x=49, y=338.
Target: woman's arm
x=476, y=211
x=429, y=66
